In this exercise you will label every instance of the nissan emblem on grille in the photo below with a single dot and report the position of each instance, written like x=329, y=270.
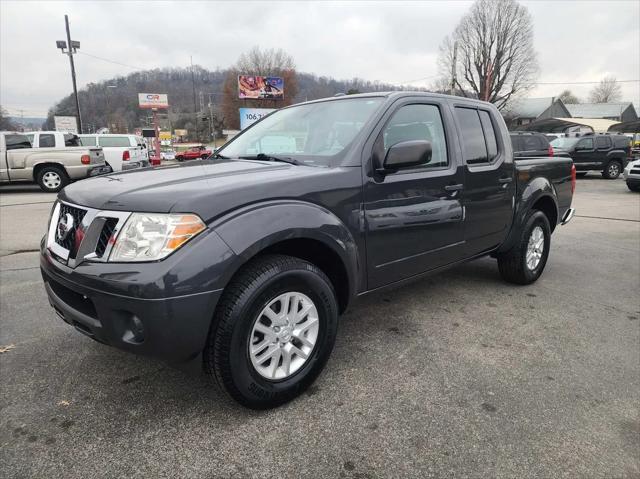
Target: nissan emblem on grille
x=65, y=225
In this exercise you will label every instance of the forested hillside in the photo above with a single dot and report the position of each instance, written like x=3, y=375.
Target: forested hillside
x=114, y=103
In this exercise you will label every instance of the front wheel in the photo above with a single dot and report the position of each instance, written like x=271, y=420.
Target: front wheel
x=612, y=170
x=633, y=186
x=273, y=331
x=180, y=158
x=524, y=263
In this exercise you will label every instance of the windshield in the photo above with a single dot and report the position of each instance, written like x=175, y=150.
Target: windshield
x=312, y=134
x=564, y=142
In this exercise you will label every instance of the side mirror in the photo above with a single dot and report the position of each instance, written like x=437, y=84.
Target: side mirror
x=407, y=154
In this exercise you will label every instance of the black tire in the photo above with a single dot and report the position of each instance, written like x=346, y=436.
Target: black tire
x=46, y=178
x=581, y=174
x=633, y=186
x=513, y=264
x=226, y=354
x=180, y=158
x=204, y=157
x=612, y=170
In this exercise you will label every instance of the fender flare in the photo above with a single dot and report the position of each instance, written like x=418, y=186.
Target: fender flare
x=537, y=189
x=253, y=228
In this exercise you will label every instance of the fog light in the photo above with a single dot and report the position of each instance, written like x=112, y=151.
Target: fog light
x=134, y=331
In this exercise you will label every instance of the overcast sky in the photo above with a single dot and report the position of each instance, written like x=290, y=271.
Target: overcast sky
x=396, y=42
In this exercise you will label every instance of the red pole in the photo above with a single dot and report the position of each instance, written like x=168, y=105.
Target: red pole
x=157, y=130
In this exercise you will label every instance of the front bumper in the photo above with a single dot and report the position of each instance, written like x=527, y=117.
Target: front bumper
x=171, y=328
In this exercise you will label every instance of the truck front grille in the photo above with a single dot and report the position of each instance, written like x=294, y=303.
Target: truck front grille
x=105, y=235
x=68, y=241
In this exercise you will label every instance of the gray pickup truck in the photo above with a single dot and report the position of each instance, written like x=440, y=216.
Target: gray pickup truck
x=51, y=167
x=244, y=261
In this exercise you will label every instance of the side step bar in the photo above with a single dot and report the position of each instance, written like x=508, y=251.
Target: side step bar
x=568, y=216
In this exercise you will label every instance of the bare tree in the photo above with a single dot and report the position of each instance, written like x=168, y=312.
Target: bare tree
x=5, y=121
x=495, y=56
x=608, y=90
x=270, y=62
x=567, y=97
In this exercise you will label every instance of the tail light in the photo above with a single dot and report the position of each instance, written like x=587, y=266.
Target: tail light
x=550, y=150
x=573, y=178
x=126, y=156
x=85, y=159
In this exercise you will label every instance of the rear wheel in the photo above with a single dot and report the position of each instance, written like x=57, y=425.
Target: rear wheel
x=612, y=170
x=52, y=178
x=180, y=158
x=273, y=331
x=524, y=263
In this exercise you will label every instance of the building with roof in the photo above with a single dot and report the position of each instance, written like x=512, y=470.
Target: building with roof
x=607, y=111
x=527, y=110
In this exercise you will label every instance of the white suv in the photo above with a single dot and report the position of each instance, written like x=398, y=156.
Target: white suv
x=632, y=175
x=121, y=152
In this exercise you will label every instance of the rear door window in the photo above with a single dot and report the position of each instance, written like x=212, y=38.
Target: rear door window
x=47, y=140
x=474, y=148
x=603, y=142
x=489, y=135
x=114, y=141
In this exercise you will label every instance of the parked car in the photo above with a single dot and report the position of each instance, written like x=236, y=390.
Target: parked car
x=52, y=139
x=51, y=168
x=632, y=175
x=168, y=154
x=245, y=261
x=606, y=153
x=122, y=152
x=530, y=144
x=193, y=153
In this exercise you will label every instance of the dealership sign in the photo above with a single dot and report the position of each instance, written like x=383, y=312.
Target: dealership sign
x=68, y=124
x=153, y=100
x=259, y=87
x=251, y=115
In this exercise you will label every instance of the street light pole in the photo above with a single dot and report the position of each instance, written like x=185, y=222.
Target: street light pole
x=71, y=47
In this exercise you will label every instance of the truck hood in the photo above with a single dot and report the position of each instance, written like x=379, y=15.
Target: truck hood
x=207, y=188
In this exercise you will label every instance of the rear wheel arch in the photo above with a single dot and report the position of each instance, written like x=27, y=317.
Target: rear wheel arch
x=39, y=166
x=548, y=206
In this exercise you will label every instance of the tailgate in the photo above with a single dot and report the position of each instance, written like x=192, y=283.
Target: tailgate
x=97, y=156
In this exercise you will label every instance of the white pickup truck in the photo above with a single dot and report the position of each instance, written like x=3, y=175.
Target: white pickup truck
x=121, y=151
x=51, y=167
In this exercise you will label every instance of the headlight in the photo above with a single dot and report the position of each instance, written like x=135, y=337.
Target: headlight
x=151, y=236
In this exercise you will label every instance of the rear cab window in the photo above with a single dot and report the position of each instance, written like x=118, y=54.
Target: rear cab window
x=88, y=141
x=114, y=141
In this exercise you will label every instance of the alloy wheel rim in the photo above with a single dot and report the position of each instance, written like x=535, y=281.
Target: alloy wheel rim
x=284, y=335
x=613, y=169
x=51, y=180
x=535, y=248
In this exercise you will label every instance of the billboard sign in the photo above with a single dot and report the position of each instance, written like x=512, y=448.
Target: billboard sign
x=259, y=87
x=180, y=132
x=249, y=116
x=68, y=124
x=153, y=100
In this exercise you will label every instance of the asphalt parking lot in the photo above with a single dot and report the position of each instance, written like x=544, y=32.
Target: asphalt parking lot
x=458, y=375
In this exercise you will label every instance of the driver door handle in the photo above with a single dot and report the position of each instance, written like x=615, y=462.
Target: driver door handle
x=457, y=187
x=505, y=180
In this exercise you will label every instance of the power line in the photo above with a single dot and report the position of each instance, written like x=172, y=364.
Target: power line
x=578, y=82
x=111, y=61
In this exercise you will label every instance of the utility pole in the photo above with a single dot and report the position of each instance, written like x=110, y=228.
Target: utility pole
x=453, y=68
x=71, y=47
x=195, y=105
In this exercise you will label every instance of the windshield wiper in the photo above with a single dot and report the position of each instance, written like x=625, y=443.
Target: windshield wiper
x=263, y=157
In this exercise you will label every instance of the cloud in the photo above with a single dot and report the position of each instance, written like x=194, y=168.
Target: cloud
x=387, y=41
